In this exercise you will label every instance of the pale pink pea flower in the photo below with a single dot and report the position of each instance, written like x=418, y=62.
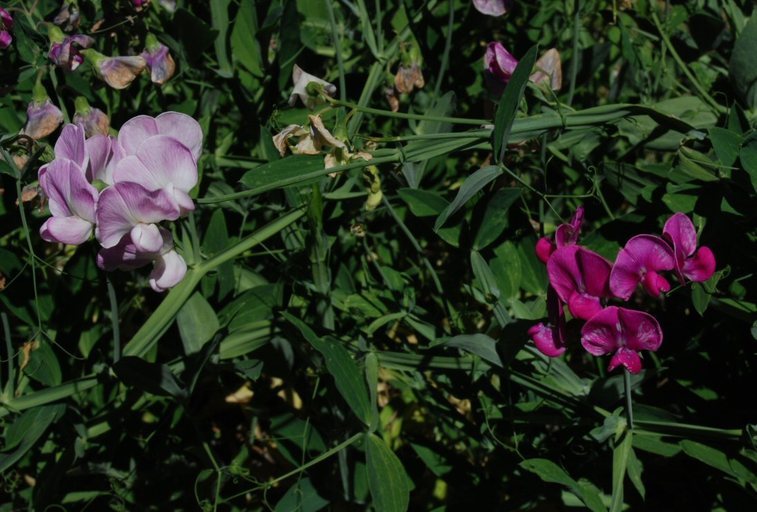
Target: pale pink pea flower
x=493, y=7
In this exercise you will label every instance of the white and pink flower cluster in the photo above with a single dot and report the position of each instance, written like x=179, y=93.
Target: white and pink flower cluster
x=122, y=188
x=585, y=282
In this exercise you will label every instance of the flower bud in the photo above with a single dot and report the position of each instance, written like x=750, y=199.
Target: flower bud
x=499, y=63
x=92, y=120
x=68, y=16
x=64, y=50
x=42, y=117
x=118, y=72
x=159, y=60
x=6, y=24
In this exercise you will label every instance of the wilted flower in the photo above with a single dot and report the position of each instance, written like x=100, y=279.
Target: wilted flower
x=6, y=25
x=159, y=60
x=623, y=333
x=72, y=202
x=68, y=16
x=92, y=120
x=690, y=263
x=117, y=72
x=641, y=261
x=581, y=279
x=493, y=7
x=42, y=117
x=408, y=78
x=305, y=91
x=548, y=70
x=499, y=62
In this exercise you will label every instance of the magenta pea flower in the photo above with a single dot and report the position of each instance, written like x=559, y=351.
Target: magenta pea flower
x=493, y=7
x=130, y=208
x=623, y=333
x=581, y=279
x=566, y=234
x=72, y=202
x=549, y=338
x=169, y=267
x=690, y=263
x=6, y=25
x=641, y=261
x=159, y=60
x=498, y=62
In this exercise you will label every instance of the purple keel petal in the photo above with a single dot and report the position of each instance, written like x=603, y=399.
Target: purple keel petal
x=124, y=205
x=655, y=284
x=169, y=270
x=182, y=128
x=584, y=306
x=544, y=249
x=701, y=266
x=146, y=238
x=66, y=230
x=641, y=254
x=544, y=340
x=627, y=358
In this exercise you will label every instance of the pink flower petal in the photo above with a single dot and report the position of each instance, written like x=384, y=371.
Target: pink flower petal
x=545, y=340
x=567, y=234
x=680, y=231
x=655, y=284
x=595, y=272
x=66, y=230
x=640, y=330
x=70, y=145
x=499, y=62
x=135, y=131
x=124, y=205
x=98, y=148
x=544, y=249
x=169, y=161
x=182, y=128
x=584, y=306
x=563, y=272
x=492, y=7
x=169, y=270
x=601, y=334
x=146, y=238
x=641, y=254
x=69, y=194
x=627, y=358
x=126, y=256
x=701, y=266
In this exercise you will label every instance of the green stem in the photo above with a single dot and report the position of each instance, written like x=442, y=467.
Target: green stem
x=9, y=349
x=686, y=71
x=574, y=57
x=402, y=115
x=629, y=397
x=337, y=46
x=114, y=320
x=447, y=48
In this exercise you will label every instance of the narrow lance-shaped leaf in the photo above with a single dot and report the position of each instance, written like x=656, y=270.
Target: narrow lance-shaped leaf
x=508, y=104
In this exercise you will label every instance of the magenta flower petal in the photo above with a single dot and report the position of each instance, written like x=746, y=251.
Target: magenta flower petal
x=655, y=284
x=681, y=232
x=619, y=331
x=544, y=249
x=567, y=234
x=69, y=194
x=5, y=39
x=641, y=254
x=492, y=7
x=168, y=271
x=544, y=340
x=580, y=278
x=125, y=205
x=499, y=62
x=625, y=357
x=701, y=266
x=70, y=230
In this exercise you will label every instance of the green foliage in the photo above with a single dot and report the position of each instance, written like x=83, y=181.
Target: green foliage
x=352, y=330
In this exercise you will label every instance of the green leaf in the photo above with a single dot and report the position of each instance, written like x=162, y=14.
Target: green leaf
x=700, y=298
x=372, y=379
x=219, y=14
x=495, y=219
x=710, y=456
x=748, y=158
x=620, y=456
x=743, y=65
x=635, y=470
x=279, y=171
x=244, y=45
x=508, y=104
x=197, y=323
x=726, y=145
x=470, y=187
x=26, y=430
x=481, y=345
x=151, y=377
x=387, y=480
x=550, y=472
x=348, y=378
x=506, y=268
x=302, y=497
x=423, y=203
x=485, y=277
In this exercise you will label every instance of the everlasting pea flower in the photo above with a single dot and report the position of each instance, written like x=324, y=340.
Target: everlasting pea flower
x=566, y=234
x=42, y=119
x=580, y=277
x=72, y=203
x=623, y=333
x=6, y=25
x=641, y=261
x=118, y=72
x=179, y=126
x=92, y=120
x=68, y=15
x=64, y=50
x=493, y=7
x=301, y=90
x=690, y=263
x=159, y=60
x=498, y=62
x=549, y=339
x=90, y=155
x=169, y=267
x=129, y=208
